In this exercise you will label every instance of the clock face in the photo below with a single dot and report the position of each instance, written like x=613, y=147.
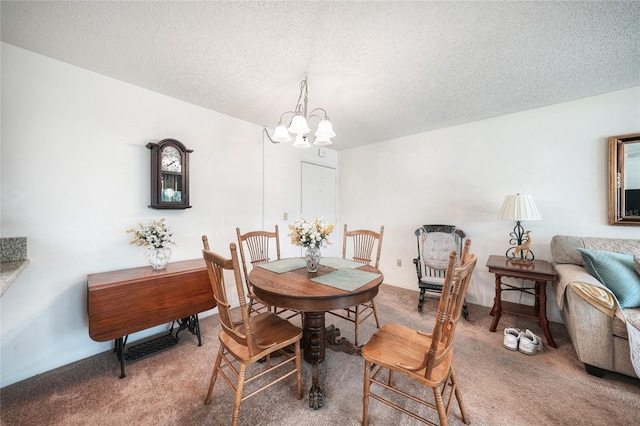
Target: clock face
x=171, y=160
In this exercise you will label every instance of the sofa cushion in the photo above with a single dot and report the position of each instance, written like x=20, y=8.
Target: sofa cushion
x=563, y=249
x=616, y=271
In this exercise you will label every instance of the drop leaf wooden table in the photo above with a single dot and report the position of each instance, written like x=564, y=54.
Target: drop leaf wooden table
x=123, y=302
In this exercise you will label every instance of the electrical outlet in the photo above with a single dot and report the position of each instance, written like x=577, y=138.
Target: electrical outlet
x=285, y=216
x=399, y=262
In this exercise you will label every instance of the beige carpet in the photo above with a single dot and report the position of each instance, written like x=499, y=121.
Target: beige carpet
x=499, y=387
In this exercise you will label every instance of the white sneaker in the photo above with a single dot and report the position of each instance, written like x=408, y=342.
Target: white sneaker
x=511, y=338
x=529, y=343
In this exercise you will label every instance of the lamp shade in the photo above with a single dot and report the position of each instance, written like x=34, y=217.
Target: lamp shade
x=325, y=130
x=280, y=134
x=519, y=207
x=301, y=142
x=299, y=125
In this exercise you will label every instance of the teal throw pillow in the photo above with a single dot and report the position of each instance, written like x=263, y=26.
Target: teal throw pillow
x=616, y=271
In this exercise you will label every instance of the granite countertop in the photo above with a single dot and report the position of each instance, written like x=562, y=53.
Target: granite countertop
x=9, y=271
x=13, y=260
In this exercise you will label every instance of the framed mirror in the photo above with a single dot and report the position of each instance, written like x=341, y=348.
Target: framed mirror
x=624, y=180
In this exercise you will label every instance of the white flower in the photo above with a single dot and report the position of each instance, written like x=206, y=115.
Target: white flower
x=154, y=233
x=310, y=235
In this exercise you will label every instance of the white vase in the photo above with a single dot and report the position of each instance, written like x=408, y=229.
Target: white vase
x=159, y=257
x=312, y=257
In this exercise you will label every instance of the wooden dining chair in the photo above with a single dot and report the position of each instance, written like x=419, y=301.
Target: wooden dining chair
x=364, y=241
x=425, y=358
x=250, y=339
x=257, y=244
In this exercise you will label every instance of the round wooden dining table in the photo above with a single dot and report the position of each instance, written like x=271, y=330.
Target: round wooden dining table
x=295, y=290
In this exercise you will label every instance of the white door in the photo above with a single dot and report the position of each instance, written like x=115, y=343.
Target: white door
x=319, y=199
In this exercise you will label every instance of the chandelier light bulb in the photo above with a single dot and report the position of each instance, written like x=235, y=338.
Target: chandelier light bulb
x=325, y=130
x=281, y=134
x=301, y=142
x=299, y=125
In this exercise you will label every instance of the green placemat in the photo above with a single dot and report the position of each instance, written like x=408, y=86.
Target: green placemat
x=346, y=279
x=284, y=265
x=339, y=263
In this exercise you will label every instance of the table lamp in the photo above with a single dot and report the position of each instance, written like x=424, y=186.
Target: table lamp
x=519, y=207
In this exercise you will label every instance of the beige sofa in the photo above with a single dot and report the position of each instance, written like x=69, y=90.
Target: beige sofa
x=599, y=329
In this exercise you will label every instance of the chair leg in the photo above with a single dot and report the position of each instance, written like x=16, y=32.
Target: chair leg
x=454, y=384
x=421, y=300
x=357, y=321
x=465, y=311
x=299, y=370
x=239, y=390
x=365, y=398
x=442, y=413
x=214, y=375
x=375, y=313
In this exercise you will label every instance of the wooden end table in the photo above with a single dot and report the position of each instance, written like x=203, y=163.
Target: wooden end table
x=538, y=271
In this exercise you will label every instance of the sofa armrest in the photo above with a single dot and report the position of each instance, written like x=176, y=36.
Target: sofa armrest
x=589, y=325
x=569, y=273
x=590, y=331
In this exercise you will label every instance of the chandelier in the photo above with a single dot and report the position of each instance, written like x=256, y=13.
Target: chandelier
x=298, y=125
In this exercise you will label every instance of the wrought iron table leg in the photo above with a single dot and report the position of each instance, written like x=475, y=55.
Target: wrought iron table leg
x=196, y=329
x=193, y=324
x=120, y=353
x=167, y=340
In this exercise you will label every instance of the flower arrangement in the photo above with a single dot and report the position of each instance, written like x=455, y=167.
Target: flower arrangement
x=307, y=234
x=154, y=233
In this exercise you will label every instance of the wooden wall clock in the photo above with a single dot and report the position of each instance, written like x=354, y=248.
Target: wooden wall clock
x=169, y=175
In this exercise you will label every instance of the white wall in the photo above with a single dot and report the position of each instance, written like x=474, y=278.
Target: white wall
x=75, y=177
x=460, y=176
x=283, y=170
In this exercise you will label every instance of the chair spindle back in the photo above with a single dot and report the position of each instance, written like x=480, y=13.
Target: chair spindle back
x=450, y=306
x=257, y=244
x=363, y=243
x=216, y=265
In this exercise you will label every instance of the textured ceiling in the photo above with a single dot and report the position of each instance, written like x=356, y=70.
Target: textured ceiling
x=381, y=69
